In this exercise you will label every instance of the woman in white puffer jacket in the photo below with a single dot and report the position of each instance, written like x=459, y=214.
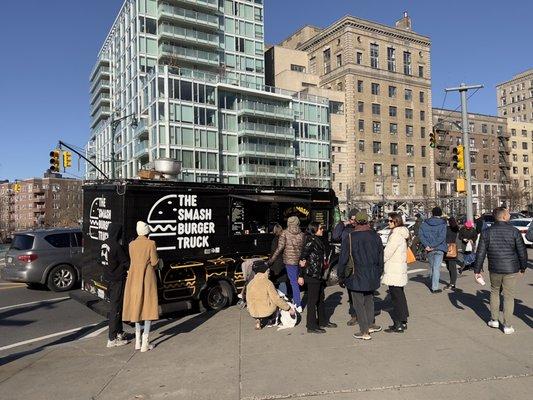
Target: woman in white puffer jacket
x=395, y=273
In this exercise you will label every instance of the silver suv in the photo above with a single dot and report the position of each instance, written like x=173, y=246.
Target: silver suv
x=48, y=257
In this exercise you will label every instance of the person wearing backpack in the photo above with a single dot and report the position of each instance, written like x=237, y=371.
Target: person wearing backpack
x=360, y=269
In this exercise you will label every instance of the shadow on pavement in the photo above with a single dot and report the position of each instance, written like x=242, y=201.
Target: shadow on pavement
x=64, y=339
x=331, y=302
x=480, y=305
x=21, y=310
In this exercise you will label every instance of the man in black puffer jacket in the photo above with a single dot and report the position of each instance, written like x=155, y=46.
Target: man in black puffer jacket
x=502, y=243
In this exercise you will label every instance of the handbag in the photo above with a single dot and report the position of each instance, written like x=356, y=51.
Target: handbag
x=350, y=265
x=452, y=250
x=410, y=256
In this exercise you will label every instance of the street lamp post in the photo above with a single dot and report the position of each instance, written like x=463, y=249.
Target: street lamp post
x=114, y=125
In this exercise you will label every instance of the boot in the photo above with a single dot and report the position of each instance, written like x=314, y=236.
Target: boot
x=396, y=328
x=137, y=340
x=145, y=344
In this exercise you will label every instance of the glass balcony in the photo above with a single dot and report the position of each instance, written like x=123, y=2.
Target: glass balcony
x=99, y=104
x=267, y=170
x=188, y=35
x=211, y=5
x=190, y=16
x=192, y=55
x=103, y=86
x=265, y=110
x=101, y=62
x=141, y=149
x=102, y=97
x=141, y=132
x=100, y=77
x=267, y=151
x=266, y=131
x=103, y=113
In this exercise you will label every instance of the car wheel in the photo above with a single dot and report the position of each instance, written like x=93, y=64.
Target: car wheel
x=61, y=278
x=218, y=295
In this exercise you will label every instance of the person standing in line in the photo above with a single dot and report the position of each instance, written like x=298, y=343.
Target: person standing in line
x=140, y=296
x=311, y=272
x=433, y=237
x=364, y=247
x=278, y=274
x=468, y=237
x=506, y=251
x=115, y=263
x=395, y=273
x=342, y=229
x=451, y=259
x=290, y=244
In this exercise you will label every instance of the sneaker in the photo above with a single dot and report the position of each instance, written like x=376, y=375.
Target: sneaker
x=299, y=309
x=449, y=287
x=374, y=329
x=493, y=324
x=116, y=343
x=361, y=335
x=352, y=321
x=508, y=330
x=329, y=325
x=436, y=291
x=316, y=330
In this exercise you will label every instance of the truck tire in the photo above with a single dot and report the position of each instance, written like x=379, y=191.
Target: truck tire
x=61, y=278
x=217, y=296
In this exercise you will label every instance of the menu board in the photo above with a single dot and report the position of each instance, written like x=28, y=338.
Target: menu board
x=321, y=216
x=237, y=217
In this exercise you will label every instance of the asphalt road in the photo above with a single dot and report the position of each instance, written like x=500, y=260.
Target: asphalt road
x=33, y=319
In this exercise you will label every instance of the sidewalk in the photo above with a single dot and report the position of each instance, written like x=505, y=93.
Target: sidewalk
x=448, y=351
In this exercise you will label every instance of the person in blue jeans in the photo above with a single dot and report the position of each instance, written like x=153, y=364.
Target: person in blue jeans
x=290, y=245
x=432, y=235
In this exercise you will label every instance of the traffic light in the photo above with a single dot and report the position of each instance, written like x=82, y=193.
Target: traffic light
x=432, y=140
x=54, y=160
x=460, y=185
x=459, y=157
x=67, y=159
x=17, y=187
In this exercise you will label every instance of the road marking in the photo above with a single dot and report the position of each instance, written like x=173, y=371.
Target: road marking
x=10, y=287
x=33, y=302
x=94, y=334
x=52, y=335
x=414, y=271
x=12, y=283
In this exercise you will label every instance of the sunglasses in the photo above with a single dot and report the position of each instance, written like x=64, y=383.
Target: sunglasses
x=390, y=220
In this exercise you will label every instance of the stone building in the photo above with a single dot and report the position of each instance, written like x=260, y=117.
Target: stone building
x=515, y=97
x=381, y=158
x=521, y=163
x=489, y=156
x=39, y=202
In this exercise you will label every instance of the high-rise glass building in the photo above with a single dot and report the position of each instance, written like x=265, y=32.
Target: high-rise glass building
x=191, y=72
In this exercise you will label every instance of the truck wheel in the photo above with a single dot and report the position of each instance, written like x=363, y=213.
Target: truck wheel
x=61, y=278
x=217, y=296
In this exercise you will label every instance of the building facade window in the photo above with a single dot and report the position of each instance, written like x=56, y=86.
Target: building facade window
x=392, y=91
x=393, y=128
x=361, y=146
x=376, y=127
x=359, y=58
x=360, y=106
x=407, y=63
x=376, y=109
x=394, y=149
x=361, y=125
x=375, y=89
x=327, y=61
x=408, y=95
x=378, y=170
x=391, y=59
x=374, y=55
x=376, y=147
x=393, y=111
x=360, y=86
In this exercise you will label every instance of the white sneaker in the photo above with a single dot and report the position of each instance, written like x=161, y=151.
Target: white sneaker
x=299, y=309
x=493, y=324
x=508, y=330
x=116, y=343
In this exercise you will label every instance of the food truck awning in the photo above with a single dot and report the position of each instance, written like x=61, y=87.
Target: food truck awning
x=271, y=198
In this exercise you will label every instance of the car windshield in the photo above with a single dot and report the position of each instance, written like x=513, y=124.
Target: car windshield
x=22, y=242
x=520, y=223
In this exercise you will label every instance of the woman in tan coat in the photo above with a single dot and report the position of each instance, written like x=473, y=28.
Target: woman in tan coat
x=140, y=294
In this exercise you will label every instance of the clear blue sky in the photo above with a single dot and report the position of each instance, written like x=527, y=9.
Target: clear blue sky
x=49, y=48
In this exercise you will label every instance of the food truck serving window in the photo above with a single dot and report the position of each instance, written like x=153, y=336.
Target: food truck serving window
x=257, y=214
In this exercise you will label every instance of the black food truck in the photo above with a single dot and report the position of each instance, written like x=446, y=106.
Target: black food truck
x=203, y=232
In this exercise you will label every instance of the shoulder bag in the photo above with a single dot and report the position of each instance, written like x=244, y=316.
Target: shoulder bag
x=350, y=266
x=452, y=250
x=410, y=256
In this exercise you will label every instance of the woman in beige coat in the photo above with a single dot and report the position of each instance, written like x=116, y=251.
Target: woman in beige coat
x=140, y=294
x=395, y=272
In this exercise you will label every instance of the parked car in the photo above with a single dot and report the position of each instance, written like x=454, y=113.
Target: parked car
x=523, y=224
x=48, y=257
x=516, y=215
x=384, y=233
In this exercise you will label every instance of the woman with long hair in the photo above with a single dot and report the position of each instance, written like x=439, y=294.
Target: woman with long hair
x=451, y=257
x=278, y=273
x=311, y=273
x=395, y=272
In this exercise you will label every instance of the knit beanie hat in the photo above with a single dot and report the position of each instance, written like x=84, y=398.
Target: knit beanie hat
x=142, y=228
x=293, y=221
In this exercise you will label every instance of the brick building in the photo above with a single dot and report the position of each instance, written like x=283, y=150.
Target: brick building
x=39, y=202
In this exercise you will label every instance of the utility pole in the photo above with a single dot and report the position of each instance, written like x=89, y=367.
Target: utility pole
x=462, y=89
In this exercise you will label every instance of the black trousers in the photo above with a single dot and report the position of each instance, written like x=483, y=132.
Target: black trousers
x=363, y=303
x=451, y=264
x=400, y=312
x=116, y=298
x=351, y=311
x=316, y=309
